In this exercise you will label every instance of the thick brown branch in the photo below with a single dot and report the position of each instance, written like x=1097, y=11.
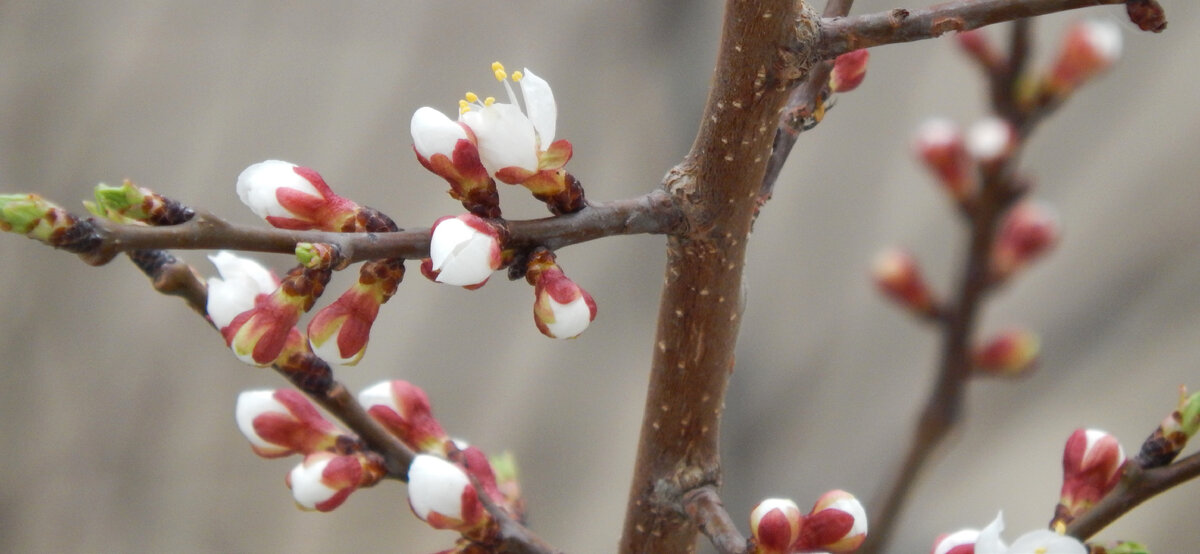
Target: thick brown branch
x=841, y=35
x=765, y=51
x=654, y=213
x=1138, y=486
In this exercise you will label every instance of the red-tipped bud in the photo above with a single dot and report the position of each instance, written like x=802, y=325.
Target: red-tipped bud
x=267, y=331
x=1092, y=465
x=940, y=144
x=976, y=44
x=340, y=331
x=561, y=308
x=1030, y=229
x=1012, y=352
x=324, y=480
x=896, y=274
x=849, y=70
x=404, y=409
x=440, y=493
x=775, y=524
x=991, y=140
x=289, y=196
x=837, y=523
x=1089, y=48
x=282, y=422
x=958, y=542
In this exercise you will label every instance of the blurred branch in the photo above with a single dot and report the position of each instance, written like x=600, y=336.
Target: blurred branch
x=1137, y=486
x=703, y=505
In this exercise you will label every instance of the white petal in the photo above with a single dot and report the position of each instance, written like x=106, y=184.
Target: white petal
x=257, y=185
x=570, y=319
x=989, y=139
x=1047, y=540
x=231, y=265
x=242, y=280
x=989, y=538
x=463, y=254
x=435, y=133
x=307, y=486
x=957, y=538
x=540, y=106
x=435, y=485
x=379, y=394
x=853, y=507
x=250, y=405
x=504, y=136
x=1105, y=37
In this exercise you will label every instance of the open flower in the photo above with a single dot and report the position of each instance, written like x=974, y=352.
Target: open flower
x=464, y=250
x=289, y=196
x=1040, y=541
x=282, y=422
x=448, y=149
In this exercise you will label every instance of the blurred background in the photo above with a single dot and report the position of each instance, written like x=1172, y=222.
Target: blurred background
x=116, y=403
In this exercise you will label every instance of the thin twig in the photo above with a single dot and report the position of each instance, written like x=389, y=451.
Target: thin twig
x=703, y=505
x=1136, y=487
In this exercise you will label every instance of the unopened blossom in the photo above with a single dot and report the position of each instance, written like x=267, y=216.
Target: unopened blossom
x=241, y=281
x=1040, y=541
x=1092, y=465
x=941, y=146
x=897, y=275
x=289, y=196
x=263, y=333
x=1089, y=48
x=340, y=331
x=849, y=70
x=991, y=140
x=464, y=250
x=1011, y=352
x=958, y=542
x=837, y=523
x=448, y=149
x=404, y=410
x=775, y=525
x=282, y=422
x=1029, y=230
x=440, y=493
x=561, y=308
x=324, y=479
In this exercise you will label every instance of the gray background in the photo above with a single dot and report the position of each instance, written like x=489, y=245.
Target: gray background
x=116, y=403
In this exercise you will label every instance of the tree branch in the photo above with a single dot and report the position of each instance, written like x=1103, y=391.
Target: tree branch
x=1137, y=486
x=703, y=505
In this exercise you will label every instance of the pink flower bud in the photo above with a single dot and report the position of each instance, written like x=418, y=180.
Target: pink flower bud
x=464, y=250
x=775, y=524
x=324, y=480
x=339, y=332
x=447, y=148
x=440, y=493
x=940, y=144
x=561, y=310
x=1012, y=352
x=289, y=196
x=991, y=141
x=1092, y=464
x=241, y=282
x=896, y=274
x=1089, y=48
x=403, y=408
x=267, y=331
x=837, y=523
x=958, y=542
x=282, y=422
x=849, y=70
x=1030, y=229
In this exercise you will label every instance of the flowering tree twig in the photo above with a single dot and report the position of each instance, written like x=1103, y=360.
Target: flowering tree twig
x=1137, y=485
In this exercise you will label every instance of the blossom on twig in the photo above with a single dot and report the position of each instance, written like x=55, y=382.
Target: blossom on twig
x=1092, y=466
x=561, y=308
x=464, y=250
x=324, y=480
x=441, y=494
x=404, y=410
x=289, y=196
x=775, y=524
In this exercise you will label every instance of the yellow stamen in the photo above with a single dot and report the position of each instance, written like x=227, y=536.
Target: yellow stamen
x=463, y=107
x=472, y=97
x=489, y=101
x=517, y=75
x=497, y=66
x=1060, y=527
x=500, y=75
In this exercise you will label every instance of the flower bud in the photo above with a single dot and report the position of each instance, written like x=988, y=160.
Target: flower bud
x=289, y=196
x=440, y=493
x=958, y=542
x=1172, y=435
x=849, y=70
x=561, y=308
x=282, y=422
x=45, y=221
x=241, y=282
x=940, y=144
x=447, y=148
x=131, y=203
x=1089, y=48
x=404, y=410
x=1012, y=352
x=340, y=331
x=324, y=480
x=991, y=141
x=837, y=523
x=464, y=250
x=896, y=274
x=267, y=331
x=1092, y=465
x=1030, y=229
x=775, y=524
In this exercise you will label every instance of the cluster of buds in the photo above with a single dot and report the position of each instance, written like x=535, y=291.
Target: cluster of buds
x=837, y=523
x=499, y=141
x=958, y=159
x=1093, y=462
x=256, y=313
x=988, y=541
x=561, y=308
x=1168, y=440
x=130, y=203
x=1010, y=353
x=42, y=220
x=283, y=422
x=444, y=476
